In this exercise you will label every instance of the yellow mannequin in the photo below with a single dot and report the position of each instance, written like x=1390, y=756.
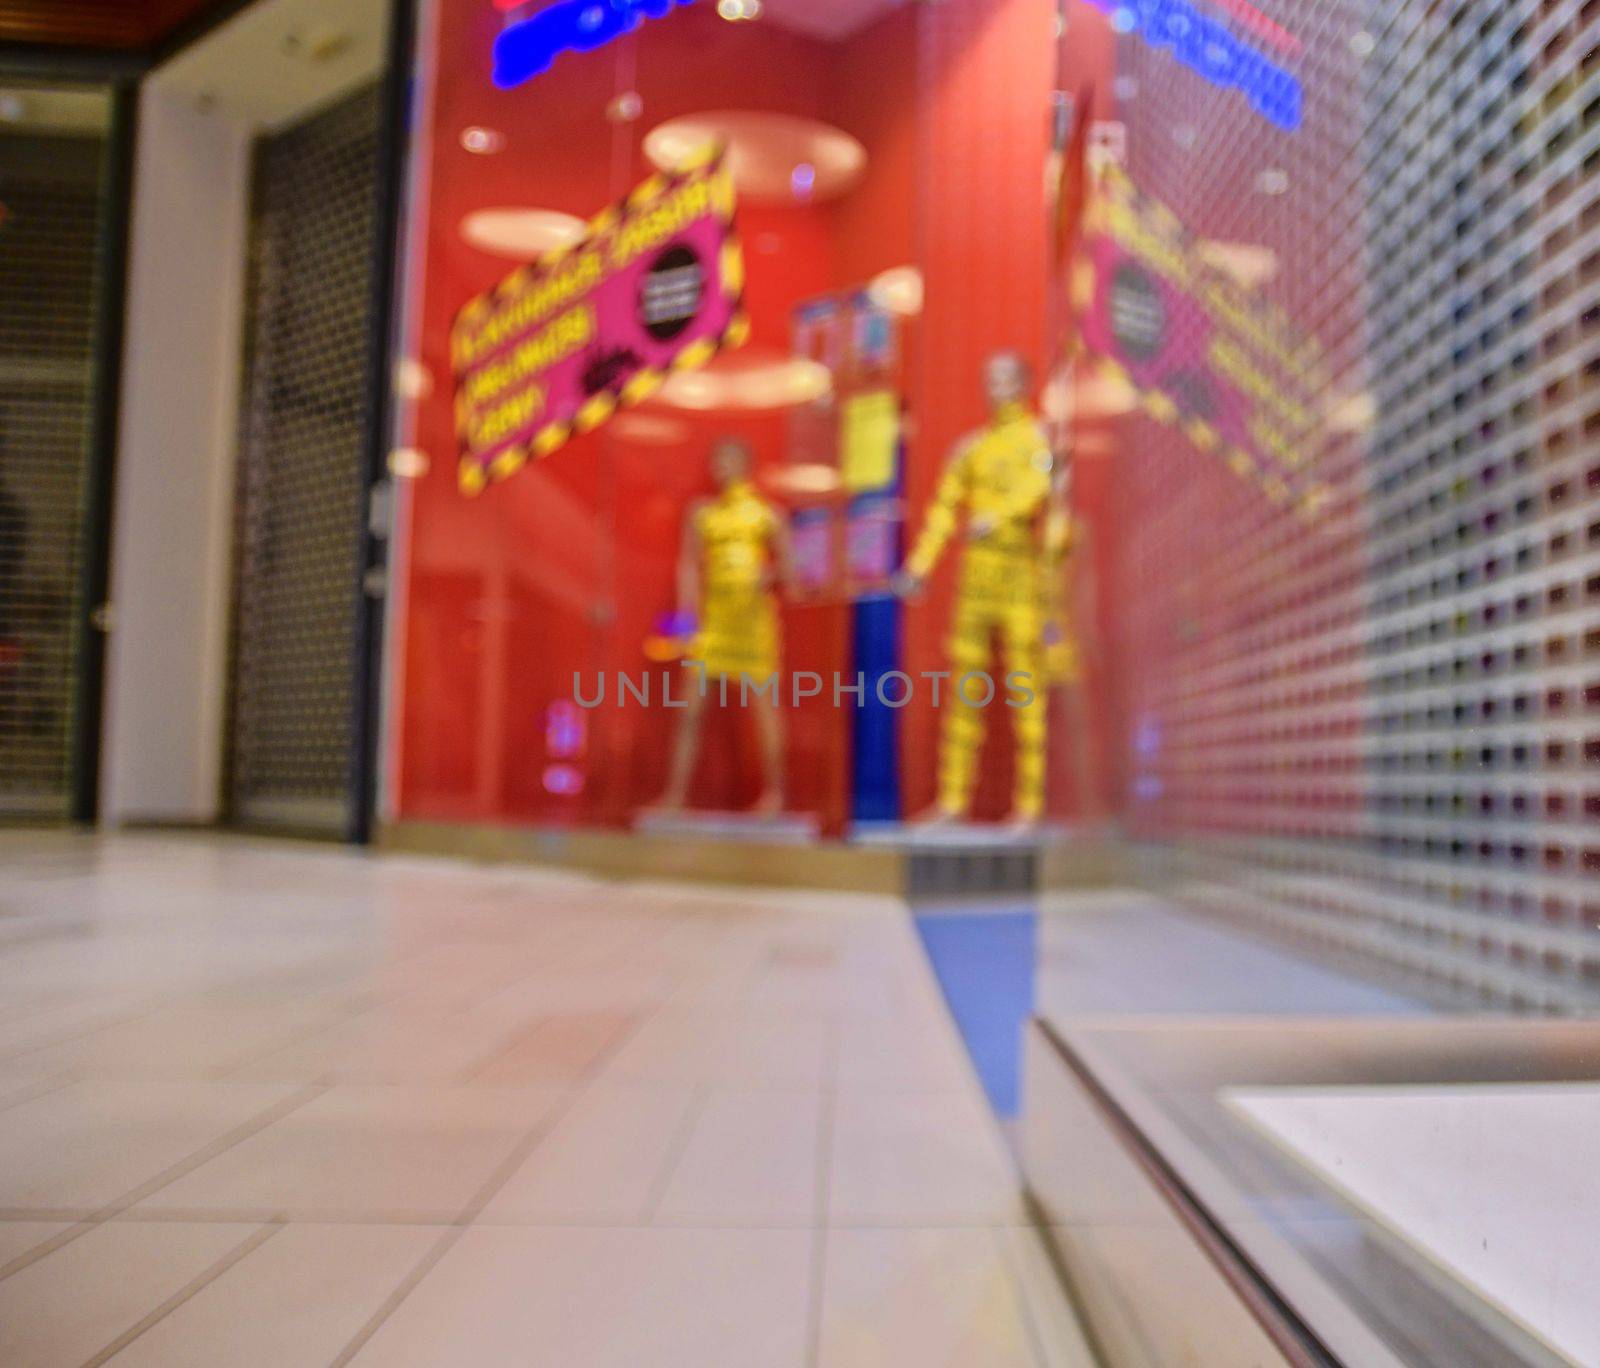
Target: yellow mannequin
x=738, y=608
x=1001, y=476
x=735, y=555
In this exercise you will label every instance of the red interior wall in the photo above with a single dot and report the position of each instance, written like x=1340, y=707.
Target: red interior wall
x=566, y=567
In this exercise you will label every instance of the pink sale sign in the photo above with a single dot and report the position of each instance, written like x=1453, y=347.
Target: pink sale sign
x=655, y=286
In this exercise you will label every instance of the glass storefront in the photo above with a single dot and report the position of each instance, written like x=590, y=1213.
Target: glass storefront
x=780, y=253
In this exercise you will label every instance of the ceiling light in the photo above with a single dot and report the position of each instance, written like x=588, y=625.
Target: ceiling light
x=412, y=380
x=764, y=379
x=774, y=158
x=1250, y=264
x=408, y=463
x=626, y=108
x=521, y=234
x=1105, y=394
x=650, y=429
x=327, y=43
x=1273, y=181
x=321, y=44
x=898, y=290
x=690, y=390
x=1356, y=412
x=482, y=140
x=809, y=478
x=1055, y=403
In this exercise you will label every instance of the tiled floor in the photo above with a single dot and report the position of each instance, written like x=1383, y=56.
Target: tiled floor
x=266, y=1104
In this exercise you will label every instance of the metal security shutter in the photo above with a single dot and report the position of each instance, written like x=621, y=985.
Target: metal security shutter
x=305, y=412
x=50, y=190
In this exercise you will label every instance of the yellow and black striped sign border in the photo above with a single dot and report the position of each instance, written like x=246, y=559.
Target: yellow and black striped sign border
x=1204, y=436
x=473, y=476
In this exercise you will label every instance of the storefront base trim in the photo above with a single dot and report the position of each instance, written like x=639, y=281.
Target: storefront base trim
x=824, y=865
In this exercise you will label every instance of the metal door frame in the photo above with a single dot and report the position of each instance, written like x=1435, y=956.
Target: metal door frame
x=374, y=534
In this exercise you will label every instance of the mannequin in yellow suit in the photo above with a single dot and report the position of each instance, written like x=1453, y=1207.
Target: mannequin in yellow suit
x=1000, y=475
x=735, y=556
x=1065, y=605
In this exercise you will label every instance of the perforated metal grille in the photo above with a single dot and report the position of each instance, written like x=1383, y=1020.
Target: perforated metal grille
x=305, y=416
x=1390, y=735
x=49, y=187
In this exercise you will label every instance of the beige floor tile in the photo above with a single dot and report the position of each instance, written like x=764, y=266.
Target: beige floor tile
x=919, y=1158
x=36, y=1027
x=18, y=1237
x=367, y=1151
x=932, y=1298
x=69, y=1305
x=393, y=1043
x=605, y=1159
x=723, y=1049
x=1057, y=1335
x=93, y=1142
x=297, y=1299
x=561, y=1049
x=577, y=992
x=14, y=1087
x=186, y=1042
x=651, y=1083
x=750, y=1156
x=606, y=1299
x=910, y=1052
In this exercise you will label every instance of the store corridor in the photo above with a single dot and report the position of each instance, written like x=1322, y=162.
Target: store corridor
x=264, y=1103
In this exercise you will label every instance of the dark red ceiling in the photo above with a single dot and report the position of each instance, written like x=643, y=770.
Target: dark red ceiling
x=94, y=23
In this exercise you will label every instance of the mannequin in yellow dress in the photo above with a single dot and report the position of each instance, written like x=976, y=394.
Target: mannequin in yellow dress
x=1001, y=476
x=735, y=557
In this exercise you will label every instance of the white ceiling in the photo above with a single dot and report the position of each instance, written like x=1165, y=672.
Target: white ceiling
x=827, y=18
x=279, y=60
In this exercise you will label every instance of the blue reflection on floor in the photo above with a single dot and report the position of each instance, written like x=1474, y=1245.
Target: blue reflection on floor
x=985, y=963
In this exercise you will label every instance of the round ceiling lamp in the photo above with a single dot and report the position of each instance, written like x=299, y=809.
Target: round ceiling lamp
x=408, y=463
x=898, y=290
x=1105, y=394
x=412, y=379
x=651, y=429
x=774, y=157
x=749, y=379
x=1250, y=264
x=810, y=479
x=484, y=142
x=520, y=234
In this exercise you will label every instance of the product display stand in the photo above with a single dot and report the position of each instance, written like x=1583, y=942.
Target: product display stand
x=957, y=835
x=785, y=829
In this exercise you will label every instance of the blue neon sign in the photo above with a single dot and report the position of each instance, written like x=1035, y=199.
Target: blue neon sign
x=530, y=46
x=1210, y=49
